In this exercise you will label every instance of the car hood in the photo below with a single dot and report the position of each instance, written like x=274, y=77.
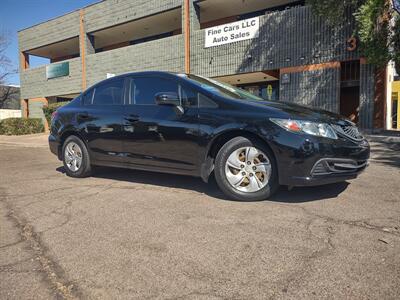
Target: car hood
x=294, y=111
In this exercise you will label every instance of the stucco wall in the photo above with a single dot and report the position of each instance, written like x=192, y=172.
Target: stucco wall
x=10, y=113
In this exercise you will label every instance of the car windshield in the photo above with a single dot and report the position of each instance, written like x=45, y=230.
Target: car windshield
x=222, y=89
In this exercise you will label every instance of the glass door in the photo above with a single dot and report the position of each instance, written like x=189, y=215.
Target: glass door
x=267, y=90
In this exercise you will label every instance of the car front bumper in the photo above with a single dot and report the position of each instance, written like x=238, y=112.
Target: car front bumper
x=303, y=160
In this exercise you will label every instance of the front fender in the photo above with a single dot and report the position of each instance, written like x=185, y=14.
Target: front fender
x=219, y=137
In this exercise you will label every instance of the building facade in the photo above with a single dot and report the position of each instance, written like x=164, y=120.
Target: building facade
x=277, y=49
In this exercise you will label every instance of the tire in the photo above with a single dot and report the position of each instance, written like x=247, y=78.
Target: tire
x=257, y=176
x=74, y=147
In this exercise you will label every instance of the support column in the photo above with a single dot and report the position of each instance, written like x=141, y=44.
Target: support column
x=367, y=95
x=23, y=65
x=190, y=23
x=24, y=108
x=86, y=47
x=24, y=60
x=82, y=47
x=186, y=31
x=380, y=98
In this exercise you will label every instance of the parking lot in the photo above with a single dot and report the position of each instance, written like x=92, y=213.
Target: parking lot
x=129, y=234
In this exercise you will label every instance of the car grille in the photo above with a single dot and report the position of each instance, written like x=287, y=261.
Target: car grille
x=327, y=166
x=348, y=131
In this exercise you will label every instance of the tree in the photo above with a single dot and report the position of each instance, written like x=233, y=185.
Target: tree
x=396, y=43
x=6, y=92
x=377, y=26
x=4, y=60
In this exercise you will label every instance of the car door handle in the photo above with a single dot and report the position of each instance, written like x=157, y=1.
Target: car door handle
x=83, y=116
x=132, y=118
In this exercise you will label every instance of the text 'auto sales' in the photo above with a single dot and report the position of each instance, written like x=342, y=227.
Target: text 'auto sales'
x=232, y=32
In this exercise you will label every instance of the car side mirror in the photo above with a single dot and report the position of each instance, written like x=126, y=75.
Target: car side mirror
x=168, y=98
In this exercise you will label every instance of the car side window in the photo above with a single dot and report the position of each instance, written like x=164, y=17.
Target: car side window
x=109, y=93
x=144, y=89
x=188, y=96
x=88, y=97
x=206, y=102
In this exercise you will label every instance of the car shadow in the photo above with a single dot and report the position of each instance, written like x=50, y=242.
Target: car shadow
x=296, y=195
x=308, y=194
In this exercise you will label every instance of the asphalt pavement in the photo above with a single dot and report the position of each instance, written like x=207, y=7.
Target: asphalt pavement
x=125, y=234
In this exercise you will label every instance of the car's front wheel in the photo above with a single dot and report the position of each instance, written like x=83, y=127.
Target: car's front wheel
x=76, y=157
x=245, y=170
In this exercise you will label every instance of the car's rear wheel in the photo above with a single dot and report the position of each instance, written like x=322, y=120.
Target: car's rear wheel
x=76, y=157
x=245, y=170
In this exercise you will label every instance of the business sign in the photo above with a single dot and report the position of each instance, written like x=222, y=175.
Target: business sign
x=396, y=5
x=232, y=32
x=57, y=70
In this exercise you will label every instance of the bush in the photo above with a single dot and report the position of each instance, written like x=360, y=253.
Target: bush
x=49, y=109
x=20, y=126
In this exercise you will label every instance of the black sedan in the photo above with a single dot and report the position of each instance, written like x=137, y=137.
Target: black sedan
x=192, y=125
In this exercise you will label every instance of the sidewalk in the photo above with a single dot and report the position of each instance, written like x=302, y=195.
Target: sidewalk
x=382, y=138
x=31, y=140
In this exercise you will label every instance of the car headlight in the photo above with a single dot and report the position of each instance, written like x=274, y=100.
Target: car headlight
x=309, y=127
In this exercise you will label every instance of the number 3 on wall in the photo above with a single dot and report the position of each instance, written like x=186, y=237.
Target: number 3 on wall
x=351, y=44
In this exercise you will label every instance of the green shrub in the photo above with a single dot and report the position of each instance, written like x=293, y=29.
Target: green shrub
x=20, y=126
x=49, y=109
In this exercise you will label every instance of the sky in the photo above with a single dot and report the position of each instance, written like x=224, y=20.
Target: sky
x=19, y=14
